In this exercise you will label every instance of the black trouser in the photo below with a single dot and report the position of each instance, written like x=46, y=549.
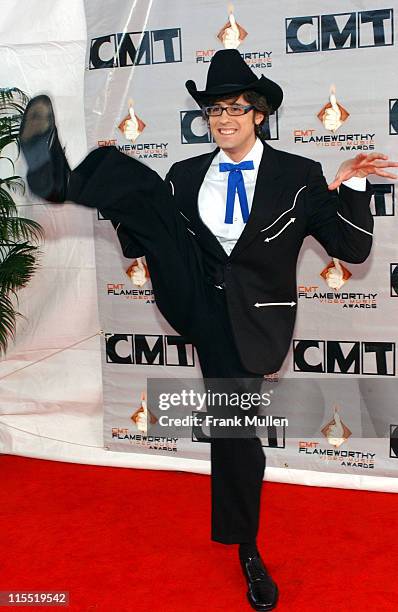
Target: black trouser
x=127, y=192
x=237, y=462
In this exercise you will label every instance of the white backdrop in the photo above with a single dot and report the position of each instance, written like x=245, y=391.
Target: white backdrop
x=50, y=382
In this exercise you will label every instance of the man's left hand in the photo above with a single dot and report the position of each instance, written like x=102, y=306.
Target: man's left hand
x=362, y=165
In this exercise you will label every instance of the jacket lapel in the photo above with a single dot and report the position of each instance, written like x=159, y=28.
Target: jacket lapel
x=265, y=200
x=265, y=204
x=191, y=209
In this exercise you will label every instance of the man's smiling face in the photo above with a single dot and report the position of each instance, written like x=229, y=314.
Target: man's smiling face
x=235, y=135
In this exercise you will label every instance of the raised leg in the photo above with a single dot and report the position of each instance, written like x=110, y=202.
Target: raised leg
x=130, y=194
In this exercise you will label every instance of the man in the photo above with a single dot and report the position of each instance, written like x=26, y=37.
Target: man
x=223, y=232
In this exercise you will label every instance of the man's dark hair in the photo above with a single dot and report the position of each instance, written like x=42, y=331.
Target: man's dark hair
x=252, y=97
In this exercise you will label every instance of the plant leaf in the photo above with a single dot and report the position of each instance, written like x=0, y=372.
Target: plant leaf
x=18, y=257
x=8, y=317
x=20, y=228
x=17, y=265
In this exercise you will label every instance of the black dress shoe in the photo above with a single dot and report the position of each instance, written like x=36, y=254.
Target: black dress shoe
x=263, y=592
x=48, y=169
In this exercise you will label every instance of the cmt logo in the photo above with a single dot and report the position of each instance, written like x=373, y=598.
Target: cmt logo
x=393, y=117
x=394, y=280
x=382, y=203
x=150, y=349
x=274, y=438
x=341, y=357
x=340, y=31
x=194, y=129
x=136, y=49
x=394, y=441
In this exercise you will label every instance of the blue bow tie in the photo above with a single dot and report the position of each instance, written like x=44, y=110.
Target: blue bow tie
x=236, y=184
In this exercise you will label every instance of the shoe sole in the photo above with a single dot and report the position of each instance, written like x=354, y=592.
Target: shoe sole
x=43, y=176
x=38, y=110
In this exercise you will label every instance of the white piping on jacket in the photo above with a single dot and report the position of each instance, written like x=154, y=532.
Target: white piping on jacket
x=286, y=211
x=353, y=225
x=181, y=213
x=292, y=220
x=259, y=304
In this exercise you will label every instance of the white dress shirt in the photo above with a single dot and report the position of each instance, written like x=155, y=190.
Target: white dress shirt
x=213, y=196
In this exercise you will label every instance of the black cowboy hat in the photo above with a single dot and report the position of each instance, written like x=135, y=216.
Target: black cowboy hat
x=228, y=74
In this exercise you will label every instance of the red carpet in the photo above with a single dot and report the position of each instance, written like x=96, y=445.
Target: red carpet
x=122, y=540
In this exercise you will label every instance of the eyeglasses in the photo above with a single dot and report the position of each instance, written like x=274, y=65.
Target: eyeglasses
x=234, y=110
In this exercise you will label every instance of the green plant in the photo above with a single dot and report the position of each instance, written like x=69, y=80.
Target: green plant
x=19, y=236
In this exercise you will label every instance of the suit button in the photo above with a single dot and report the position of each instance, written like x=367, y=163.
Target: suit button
x=228, y=267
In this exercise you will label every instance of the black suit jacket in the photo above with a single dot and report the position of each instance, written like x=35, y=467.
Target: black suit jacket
x=291, y=201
